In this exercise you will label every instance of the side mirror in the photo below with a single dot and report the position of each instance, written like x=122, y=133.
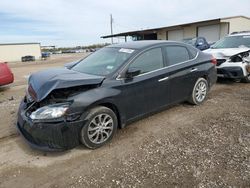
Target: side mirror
x=132, y=72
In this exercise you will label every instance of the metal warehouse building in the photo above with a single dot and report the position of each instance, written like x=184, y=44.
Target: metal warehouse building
x=212, y=30
x=15, y=51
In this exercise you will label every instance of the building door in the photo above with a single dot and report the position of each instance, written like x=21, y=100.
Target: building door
x=210, y=32
x=175, y=35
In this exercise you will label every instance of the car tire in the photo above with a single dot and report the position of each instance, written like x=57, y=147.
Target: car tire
x=199, y=92
x=100, y=127
x=246, y=79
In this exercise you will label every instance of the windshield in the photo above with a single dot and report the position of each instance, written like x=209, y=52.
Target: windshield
x=190, y=41
x=103, y=61
x=233, y=42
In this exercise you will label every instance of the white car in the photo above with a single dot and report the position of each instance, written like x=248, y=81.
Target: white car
x=233, y=56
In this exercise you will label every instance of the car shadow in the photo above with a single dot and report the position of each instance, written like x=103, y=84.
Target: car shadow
x=227, y=81
x=4, y=88
x=28, y=150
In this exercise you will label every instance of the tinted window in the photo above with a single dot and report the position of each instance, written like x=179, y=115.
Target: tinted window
x=176, y=54
x=193, y=52
x=149, y=61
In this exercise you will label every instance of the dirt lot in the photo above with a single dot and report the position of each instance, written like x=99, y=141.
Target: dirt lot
x=183, y=146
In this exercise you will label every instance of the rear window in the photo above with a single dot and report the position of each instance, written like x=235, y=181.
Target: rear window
x=176, y=54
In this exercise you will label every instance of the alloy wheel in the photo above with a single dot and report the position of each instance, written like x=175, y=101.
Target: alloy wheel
x=100, y=128
x=200, y=91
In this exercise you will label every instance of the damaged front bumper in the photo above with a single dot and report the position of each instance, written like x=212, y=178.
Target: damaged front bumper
x=235, y=70
x=48, y=136
x=236, y=66
x=230, y=72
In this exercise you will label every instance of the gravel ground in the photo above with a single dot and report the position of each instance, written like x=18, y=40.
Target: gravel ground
x=216, y=155
x=183, y=146
x=213, y=152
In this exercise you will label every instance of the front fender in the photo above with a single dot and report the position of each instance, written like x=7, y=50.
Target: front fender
x=85, y=100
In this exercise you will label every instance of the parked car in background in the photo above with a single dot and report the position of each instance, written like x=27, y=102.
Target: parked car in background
x=57, y=52
x=198, y=42
x=28, y=58
x=86, y=102
x=68, y=51
x=92, y=50
x=6, y=76
x=233, y=56
x=45, y=55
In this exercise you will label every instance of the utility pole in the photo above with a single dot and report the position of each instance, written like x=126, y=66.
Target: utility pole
x=111, y=27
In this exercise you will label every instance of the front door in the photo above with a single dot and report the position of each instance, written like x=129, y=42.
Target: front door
x=147, y=91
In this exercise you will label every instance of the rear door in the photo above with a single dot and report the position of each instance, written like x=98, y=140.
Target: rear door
x=182, y=71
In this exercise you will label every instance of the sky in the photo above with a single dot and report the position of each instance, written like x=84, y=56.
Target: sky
x=68, y=23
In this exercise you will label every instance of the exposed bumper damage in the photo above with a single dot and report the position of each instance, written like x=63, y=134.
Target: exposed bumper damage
x=51, y=88
x=48, y=136
x=236, y=66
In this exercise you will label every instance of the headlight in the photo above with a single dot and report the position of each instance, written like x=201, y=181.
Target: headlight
x=49, y=112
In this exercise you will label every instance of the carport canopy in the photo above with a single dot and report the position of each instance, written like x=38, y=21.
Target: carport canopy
x=174, y=32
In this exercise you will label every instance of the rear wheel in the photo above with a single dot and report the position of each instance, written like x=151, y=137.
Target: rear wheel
x=199, y=93
x=100, y=127
x=246, y=79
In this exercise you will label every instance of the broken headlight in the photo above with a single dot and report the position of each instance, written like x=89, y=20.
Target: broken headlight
x=49, y=112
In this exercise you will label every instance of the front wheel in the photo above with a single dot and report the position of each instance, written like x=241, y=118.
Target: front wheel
x=101, y=125
x=199, y=93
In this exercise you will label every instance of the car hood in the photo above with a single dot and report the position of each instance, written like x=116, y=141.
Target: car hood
x=42, y=83
x=225, y=53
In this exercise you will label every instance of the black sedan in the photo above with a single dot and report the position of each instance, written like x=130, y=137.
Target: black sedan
x=28, y=58
x=87, y=101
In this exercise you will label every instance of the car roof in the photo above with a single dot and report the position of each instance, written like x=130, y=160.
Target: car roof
x=142, y=44
x=242, y=33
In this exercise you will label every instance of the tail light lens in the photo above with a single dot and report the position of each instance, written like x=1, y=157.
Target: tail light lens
x=214, y=61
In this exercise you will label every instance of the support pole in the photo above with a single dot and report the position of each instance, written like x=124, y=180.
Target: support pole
x=111, y=28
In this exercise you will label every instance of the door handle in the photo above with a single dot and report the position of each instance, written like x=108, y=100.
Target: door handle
x=193, y=69
x=163, y=79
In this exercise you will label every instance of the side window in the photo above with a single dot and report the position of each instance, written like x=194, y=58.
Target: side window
x=176, y=54
x=193, y=52
x=149, y=61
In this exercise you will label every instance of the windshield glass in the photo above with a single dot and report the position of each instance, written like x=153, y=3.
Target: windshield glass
x=190, y=41
x=233, y=42
x=103, y=61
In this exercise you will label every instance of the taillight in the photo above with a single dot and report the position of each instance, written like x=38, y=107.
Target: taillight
x=214, y=61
